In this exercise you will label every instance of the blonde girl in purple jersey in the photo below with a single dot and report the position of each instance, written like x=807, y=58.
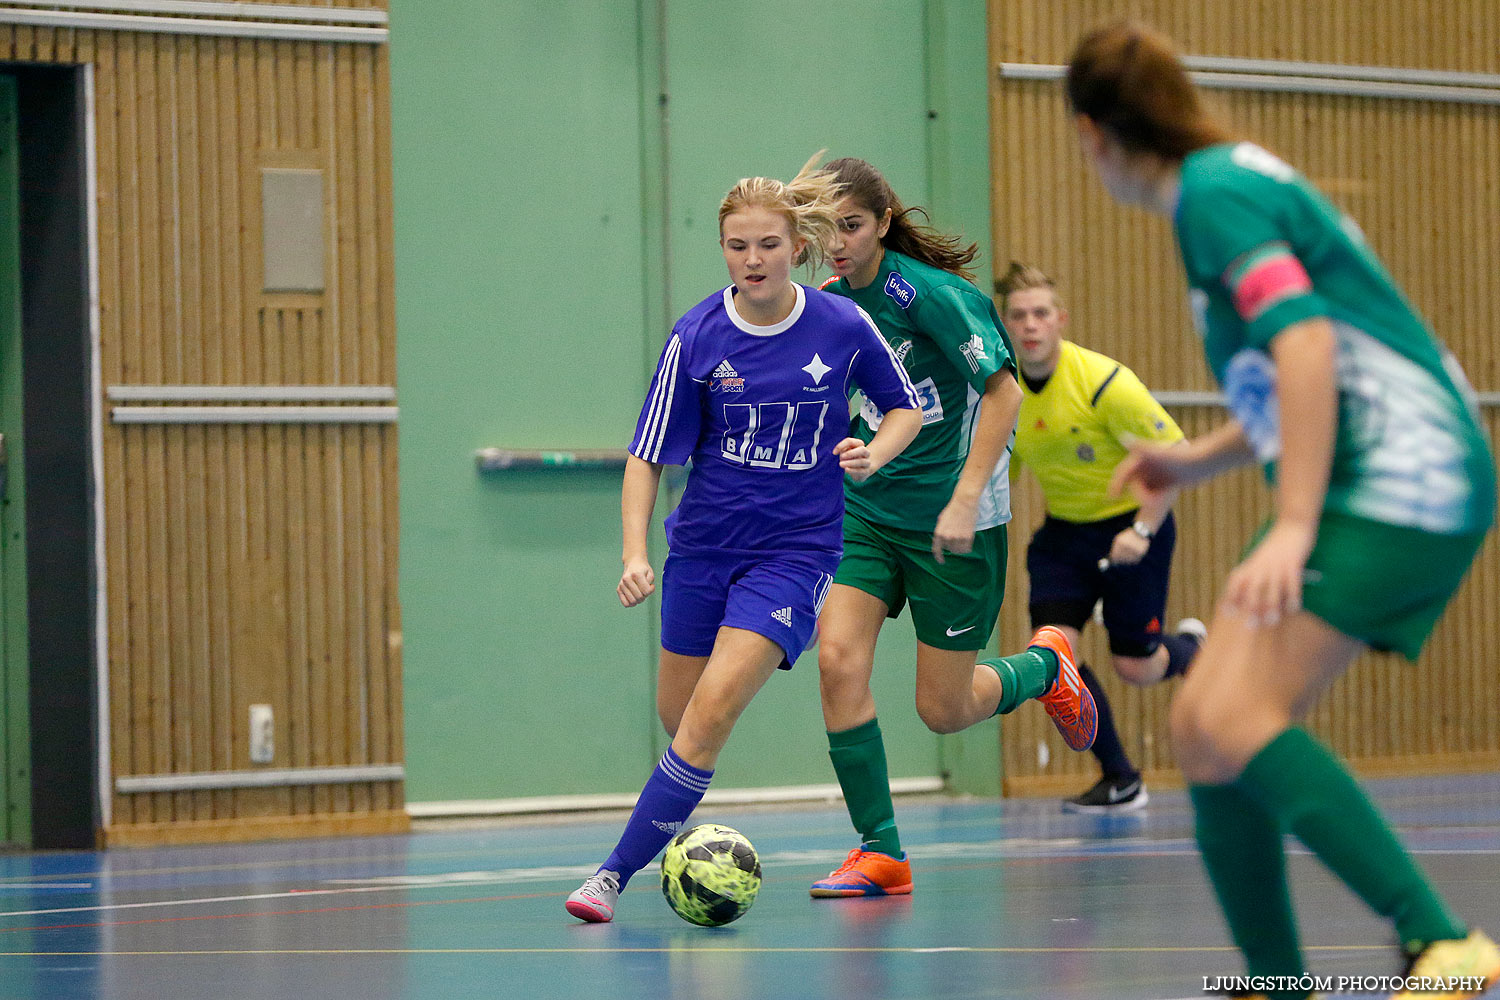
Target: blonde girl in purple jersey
x=752, y=387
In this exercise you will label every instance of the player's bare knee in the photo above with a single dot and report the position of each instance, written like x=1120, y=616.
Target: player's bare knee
x=840, y=656
x=668, y=710
x=705, y=729
x=1141, y=671
x=1191, y=729
x=940, y=721
x=843, y=671
x=1206, y=736
x=842, y=686
x=670, y=719
x=939, y=714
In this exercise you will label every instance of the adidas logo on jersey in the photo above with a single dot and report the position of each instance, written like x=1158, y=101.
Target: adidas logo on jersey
x=726, y=379
x=783, y=615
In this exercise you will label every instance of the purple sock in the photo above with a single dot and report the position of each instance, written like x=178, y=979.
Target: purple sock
x=671, y=794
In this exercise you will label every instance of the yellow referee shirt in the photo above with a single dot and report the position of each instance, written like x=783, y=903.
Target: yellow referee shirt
x=1072, y=434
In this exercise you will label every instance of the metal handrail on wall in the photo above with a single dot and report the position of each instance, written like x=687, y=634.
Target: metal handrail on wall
x=500, y=459
x=1279, y=76
x=254, y=411
x=1211, y=398
x=290, y=22
x=219, y=8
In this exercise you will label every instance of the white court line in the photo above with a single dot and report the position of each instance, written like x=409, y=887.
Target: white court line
x=12, y=886
x=395, y=883
x=297, y=893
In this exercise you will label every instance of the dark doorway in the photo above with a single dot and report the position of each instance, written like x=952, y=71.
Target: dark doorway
x=53, y=457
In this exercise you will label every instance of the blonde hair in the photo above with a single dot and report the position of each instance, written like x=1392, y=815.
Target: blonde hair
x=808, y=202
x=1020, y=277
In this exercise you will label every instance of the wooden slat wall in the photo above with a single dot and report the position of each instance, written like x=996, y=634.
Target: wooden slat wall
x=1422, y=179
x=1453, y=35
x=366, y=4
x=251, y=563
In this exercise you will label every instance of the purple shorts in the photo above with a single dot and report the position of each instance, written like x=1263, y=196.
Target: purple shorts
x=777, y=595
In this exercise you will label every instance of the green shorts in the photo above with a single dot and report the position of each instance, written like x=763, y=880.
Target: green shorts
x=1381, y=583
x=953, y=606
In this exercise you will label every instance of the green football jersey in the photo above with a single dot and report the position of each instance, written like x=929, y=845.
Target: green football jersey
x=950, y=339
x=1263, y=249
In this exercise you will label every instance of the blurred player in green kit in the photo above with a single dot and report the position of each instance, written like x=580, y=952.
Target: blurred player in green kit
x=1384, y=489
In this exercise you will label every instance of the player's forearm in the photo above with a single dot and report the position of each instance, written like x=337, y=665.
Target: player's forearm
x=998, y=409
x=898, y=428
x=637, y=501
x=1221, y=449
x=1306, y=357
x=1155, y=508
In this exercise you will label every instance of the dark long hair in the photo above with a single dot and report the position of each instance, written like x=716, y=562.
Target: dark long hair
x=1128, y=79
x=868, y=186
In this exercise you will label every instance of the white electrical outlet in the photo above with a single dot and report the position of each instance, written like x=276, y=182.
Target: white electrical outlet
x=262, y=735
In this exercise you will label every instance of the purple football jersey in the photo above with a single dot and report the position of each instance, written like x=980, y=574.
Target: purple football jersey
x=758, y=410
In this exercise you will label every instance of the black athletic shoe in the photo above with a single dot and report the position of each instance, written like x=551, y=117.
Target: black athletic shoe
x=1112, y=794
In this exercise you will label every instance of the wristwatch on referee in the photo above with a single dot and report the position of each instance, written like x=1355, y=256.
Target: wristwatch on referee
x=1143, y=529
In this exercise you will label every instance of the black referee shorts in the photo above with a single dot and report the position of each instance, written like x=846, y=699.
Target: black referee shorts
x=1066, y=582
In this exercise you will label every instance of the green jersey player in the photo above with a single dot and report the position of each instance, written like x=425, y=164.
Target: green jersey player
x=1384, y=490
x=929, y=529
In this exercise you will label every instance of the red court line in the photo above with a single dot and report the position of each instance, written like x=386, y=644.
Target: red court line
x=281, y=913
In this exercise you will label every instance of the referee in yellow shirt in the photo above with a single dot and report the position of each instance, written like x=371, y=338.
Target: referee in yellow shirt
x=1078, y=410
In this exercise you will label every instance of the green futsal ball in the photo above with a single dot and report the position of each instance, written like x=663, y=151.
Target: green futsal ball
x=710, y=875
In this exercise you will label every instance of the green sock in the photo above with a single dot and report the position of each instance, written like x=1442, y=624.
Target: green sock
x=858, y=756
x=1024, y=675
x=1299, y=781
x=1241, y=847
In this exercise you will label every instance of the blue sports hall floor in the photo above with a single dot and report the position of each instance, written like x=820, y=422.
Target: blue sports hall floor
x=1013, y=899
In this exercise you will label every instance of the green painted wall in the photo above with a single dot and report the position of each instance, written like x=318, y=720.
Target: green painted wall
x=553, y=215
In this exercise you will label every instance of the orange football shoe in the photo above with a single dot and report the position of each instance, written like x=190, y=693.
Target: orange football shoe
x=866, y=873
x=1068, y=700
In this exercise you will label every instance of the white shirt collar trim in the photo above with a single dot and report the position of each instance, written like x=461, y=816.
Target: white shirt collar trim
x=764, y=331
